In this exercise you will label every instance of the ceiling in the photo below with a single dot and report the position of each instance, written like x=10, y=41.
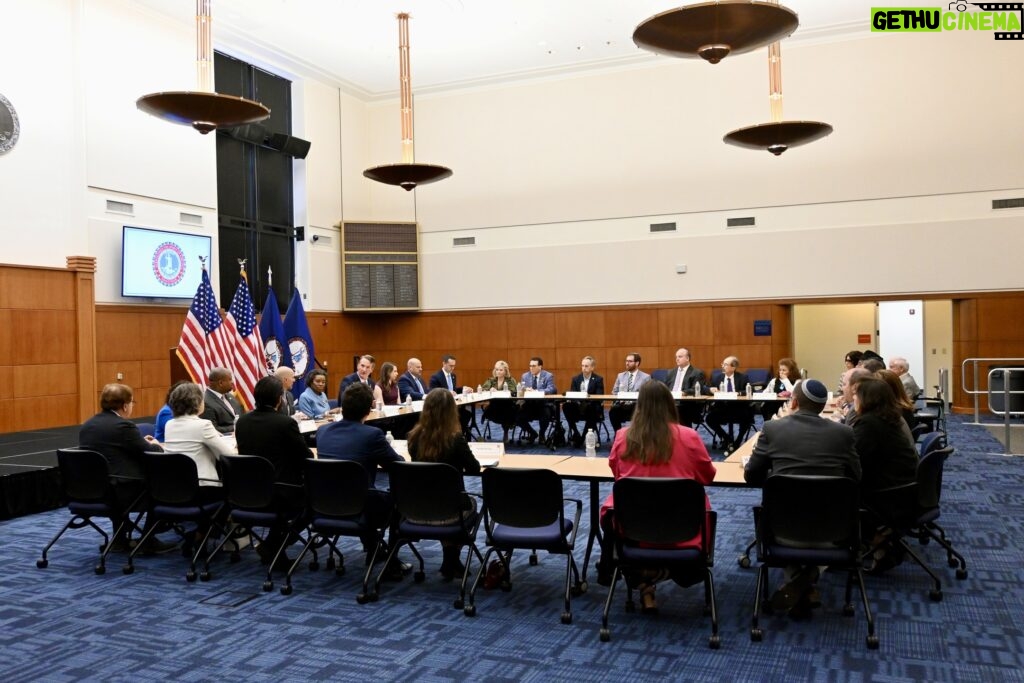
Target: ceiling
x=456, y=43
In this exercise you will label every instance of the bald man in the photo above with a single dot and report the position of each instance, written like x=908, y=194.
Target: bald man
x=289, y=402
x=411, y=382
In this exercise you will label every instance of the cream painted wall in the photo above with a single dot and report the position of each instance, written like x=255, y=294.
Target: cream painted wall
x=938, y=346
x=824, y=333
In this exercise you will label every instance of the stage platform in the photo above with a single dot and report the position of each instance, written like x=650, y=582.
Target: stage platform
x=29, y=478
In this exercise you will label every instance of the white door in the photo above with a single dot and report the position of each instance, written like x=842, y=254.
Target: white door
x=901, y=333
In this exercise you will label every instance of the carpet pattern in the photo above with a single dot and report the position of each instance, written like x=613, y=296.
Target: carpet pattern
x=65, y=623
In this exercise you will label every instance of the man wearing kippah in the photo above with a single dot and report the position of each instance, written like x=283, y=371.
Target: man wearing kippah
x=803, y=443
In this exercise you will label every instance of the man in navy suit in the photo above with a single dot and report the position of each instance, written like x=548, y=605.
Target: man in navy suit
x=411, y=382
x=591, y=412
x=684, y=377
x=364, y=368
x=352, y=439
x=219, y=403
x=722, y=413
x=445, y=379
x=534, y=409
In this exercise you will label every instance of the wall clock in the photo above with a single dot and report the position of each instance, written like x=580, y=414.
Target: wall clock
x=10, y=127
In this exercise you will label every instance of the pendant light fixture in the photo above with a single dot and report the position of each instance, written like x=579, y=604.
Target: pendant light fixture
x=203, y=109
x=777, y=136
x=713, y=30
x=407, y=174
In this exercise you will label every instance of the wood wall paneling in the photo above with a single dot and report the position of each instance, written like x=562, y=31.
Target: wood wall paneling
x=531, y=330
x=689, y=327
x=6, y=383
x=45, y=411
x=583, y=329
x=631, y=327
x=44, y=380
x=6, y=335
x=1001, y=319
x=36, y=289
x=41, y=337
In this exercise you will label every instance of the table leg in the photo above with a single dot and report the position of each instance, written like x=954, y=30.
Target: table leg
x=595, y=524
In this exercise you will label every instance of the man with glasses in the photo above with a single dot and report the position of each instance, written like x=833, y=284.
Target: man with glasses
x=630, y=380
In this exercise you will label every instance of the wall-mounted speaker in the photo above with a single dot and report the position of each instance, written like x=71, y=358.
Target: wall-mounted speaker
x=290, y=145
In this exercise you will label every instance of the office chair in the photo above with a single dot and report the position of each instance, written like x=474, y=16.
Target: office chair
x=431, y=505
x=810, y=521
x=146, y=428
x=652, y=516
x=932, y=441
x=256, y=500
x=931, y=411
x=338, y=494
x=175, y=497
x=929, y=493
x=89, y=490
x=524, y=509
x=758, y=378
x=659, y=375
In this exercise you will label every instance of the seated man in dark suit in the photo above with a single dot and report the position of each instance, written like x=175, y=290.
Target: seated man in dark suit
x=362, y=375
x=411, y=382
x=351, y=439
x=117, y=438
x=591, y=412
x=445, y=379
x=267, y=433
x=740, y=413
x=684, y=378
x=803, y=443
x=220, y=405
x=539, y=379
x=289, y=403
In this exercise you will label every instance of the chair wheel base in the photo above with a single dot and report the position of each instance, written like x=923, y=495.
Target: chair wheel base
x=606, y=635
x=566, y=617
x=756, y=635
x=873, y=642
x=458, y=604
x=579, y=589
x=100, y=570
x=743, y=561
x=42, y=564
x=469, y=610
x=419, y=577
x=128, y=569
x=362, y=598
x=286, y=590
x=190, y=577
x=533, y=560
x=329, y=565
x=205, y=576
x=847, y=610
x=961, y=574
x=714, y=642
x=268, y=586
x=935, y=596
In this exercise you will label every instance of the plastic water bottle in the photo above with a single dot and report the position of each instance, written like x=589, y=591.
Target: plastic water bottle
x=380, y=406
x=479, y=389
x=390, y=438
x=519, y=389
x=408, y=401
x=750, y=391
x=591, y=443
x=696, y=388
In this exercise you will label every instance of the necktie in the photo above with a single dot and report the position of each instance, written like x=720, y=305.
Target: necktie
x=231, y=408
x=449, y=378
x=419, y=387
x=535, y=381
x=728, y=385
x=629, y=382
x=679, y=380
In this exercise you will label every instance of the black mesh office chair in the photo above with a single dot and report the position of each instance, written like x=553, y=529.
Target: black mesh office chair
x=810, y=521
x=929, y=494
x=652, y=516
x=90, y=493
x=524, y=509
x=431, y=505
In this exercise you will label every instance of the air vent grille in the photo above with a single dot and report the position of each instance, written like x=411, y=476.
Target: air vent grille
x=463, y=241
x=1015, y=203
x=743, y=222
x=190, y=219
x=663, y=227
x=120, y=207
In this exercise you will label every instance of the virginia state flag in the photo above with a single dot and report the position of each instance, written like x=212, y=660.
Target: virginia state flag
x=300, y=341
x=272, y=331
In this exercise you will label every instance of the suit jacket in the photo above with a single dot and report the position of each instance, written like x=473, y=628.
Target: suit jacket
x=438, y=380
x=271, y=435
x=545, y=381
x=352, y=379
x=411, y=386
x=594, y=386
x=216, y=412
x=691, y=375
x=119, y=440
x=739, y=381
x=352, y=440
x=622, y=381
x=289, y=404
x=803, y=443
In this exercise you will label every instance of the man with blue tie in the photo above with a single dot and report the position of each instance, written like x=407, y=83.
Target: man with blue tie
x=536, y=378
x=722, y=413
x=411, y=382
x=445, y=379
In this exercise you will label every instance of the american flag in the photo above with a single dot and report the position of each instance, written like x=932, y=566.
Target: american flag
x=205, y=342
x=250, y=361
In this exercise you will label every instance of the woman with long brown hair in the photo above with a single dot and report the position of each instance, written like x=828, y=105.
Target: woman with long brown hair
x=437, y=437
x=388, y=384
x=899, y=392
x=656, y=445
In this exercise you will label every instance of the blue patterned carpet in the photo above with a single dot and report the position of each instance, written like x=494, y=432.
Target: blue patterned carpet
x=67, y=624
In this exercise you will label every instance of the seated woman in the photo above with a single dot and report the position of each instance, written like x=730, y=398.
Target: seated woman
x=899, y=392
x=314, y=401
x=501, y=411
x=780, y=385
x=887, y=455
x=437, y=437
x=388, y=385
x=655, y=445
x=198, y=439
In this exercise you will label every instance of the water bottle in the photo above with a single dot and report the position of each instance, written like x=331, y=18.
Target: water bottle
x=696, y=388
x=479, y=389
x=408, y=401
x=519, y=389
x=591, y=443
x=390, y=438
x=721, y=386
x=380, y=407
x=750, y=391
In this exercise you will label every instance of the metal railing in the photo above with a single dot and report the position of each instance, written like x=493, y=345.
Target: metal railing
x=1007, y=374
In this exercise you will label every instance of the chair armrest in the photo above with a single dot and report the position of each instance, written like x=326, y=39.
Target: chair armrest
x=124, y=477
x=576, y=518
x=207, y=479
x=712, y=522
